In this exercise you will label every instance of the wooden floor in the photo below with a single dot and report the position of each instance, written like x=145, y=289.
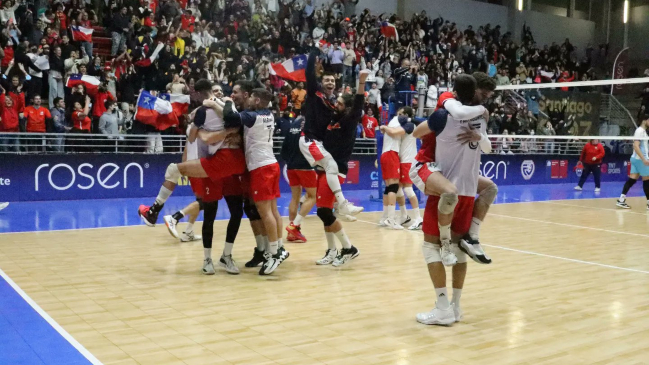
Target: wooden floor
x=569, y=285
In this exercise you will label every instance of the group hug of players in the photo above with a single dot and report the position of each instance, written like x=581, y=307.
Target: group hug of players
x=229, y=155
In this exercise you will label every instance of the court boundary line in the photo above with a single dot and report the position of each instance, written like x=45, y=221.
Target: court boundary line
x=626, y=211
x=542, y=254
x=57, y=327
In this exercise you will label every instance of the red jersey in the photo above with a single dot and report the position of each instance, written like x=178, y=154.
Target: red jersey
x=370, y=124
x=591, y=151
x=36, y=118
x=428, y=143
x=81, y=122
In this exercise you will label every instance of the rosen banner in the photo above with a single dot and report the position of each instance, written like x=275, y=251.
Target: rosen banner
x=74, y=177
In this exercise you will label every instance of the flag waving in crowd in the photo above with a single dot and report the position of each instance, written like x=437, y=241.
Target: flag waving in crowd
x=90, y=82
x=81, y=34
x=389, y=31
x=179, y=103
x=291, y=69
x=155, y=111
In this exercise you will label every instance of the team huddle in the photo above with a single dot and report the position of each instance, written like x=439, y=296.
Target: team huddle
x=229, y=155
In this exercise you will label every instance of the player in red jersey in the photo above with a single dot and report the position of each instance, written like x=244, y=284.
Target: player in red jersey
x=424, y=175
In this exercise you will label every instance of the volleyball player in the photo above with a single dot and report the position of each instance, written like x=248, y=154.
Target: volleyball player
x=259, y=124
x=339, y=141
x=458, y=162
x=300, y=176
x=407, y=153
x=318, y=111
x=639, y=164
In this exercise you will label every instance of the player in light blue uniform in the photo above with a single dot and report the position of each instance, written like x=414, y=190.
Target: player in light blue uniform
x=639, y=164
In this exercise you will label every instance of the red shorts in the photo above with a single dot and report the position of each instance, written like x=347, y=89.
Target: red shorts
x=390, y=165
x=404, y=179
x=225, y=162
x=303, y=178
x=325, y=198
x=264, y=183
x=461, y=216
x=197, y=186
x=245, y=183
x=212, y=190
x=232, y=186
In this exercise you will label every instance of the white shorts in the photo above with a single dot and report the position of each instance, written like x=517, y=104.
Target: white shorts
x=420, y=172
x=314, y=151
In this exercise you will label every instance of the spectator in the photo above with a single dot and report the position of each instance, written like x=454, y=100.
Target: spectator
x=548, y=130
x=111, y=121
x=297, y=97
x=120, y=26
x=591, y=157
x=38, y=118
x=60, y=123
x=9, y=123
x=55, y=75
x=370, y=124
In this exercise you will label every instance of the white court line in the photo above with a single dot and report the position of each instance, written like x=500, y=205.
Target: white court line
x=545, y=255
x=626, y=211
x=93, y=360
x=569, y=225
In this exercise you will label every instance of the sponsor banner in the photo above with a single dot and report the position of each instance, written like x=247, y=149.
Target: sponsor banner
x=75, y=177
x=584, y=106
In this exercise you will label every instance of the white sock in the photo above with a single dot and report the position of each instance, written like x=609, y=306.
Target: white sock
x=344, y=240
x=334, y=185
x=266, y=243
x=385, y=211
x=391, y=213
x=280, y=242
x=415, y=213
x=622, y=197
x=272, y=246
x=331, y=240
x=444, y=232
x=207, y=252
x=474, y=230
x=189, y=228
x=298, y=220
x=227, y=249
x=403, y=210
x=163, y=195
x=442, y=298
x=457, y=294
x=261, y=244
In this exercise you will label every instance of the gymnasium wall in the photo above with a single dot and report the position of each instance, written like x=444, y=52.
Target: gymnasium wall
x=76, y=177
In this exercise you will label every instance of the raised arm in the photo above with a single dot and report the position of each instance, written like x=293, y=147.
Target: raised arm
x=463, y=112
x=311, y=79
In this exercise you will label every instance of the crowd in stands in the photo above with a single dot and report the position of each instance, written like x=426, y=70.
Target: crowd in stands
x=230, y=40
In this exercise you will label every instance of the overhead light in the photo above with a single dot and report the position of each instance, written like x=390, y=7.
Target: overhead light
x=520, y=5
x=625, y=16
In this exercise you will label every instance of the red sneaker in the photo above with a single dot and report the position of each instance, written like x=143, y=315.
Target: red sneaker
x=295, y=234
x=148, y=217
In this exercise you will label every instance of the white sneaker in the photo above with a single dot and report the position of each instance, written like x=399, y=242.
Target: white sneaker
x=578, y=188
x=171, y=223
x=405, y=220
x=355, y=210
x=347, y=208
x=208, y=267
x=345, y=256
x=392, y=224
x=189, y=237
x=229, y=264
x=442, y=317
x=597, y=190
x=328, y=258
x=623, y=204
x=416, y=225
x=448, y=257
x=457, y=311
x=3, y=205
x=382, y=222
x=345, y=217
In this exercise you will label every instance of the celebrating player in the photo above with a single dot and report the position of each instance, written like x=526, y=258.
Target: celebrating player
x=639, y=164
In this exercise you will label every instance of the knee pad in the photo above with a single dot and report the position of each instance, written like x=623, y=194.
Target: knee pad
x=409, y=191
x=327, y=216
x=400, y=193
x=200, y=203
x=447, y=203
x=488, y=194
x=251, y=210
x=461, y=256
x=172, y=174
x=394, y=188
x=431, y=252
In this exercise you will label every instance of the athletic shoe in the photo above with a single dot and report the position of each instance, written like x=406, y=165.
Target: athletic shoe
x=283, y=253
x=597, y=190
x=189, y=237
x=448, y=257
x=257, y=259
x=355, y=209
x=623, y=204
x=382, y=222
x=328, y=258
x=473, y=248
x=406, y=220
x=208, y=267
x=416, y=225
x=347, y=208
x=171, y=223
x=271, y=262
x=3, y=205
x=295, y=234
x=578, y=188
x=392, y=224
x=345, y=256
x=148, y=216
x=229, y=264
x=442, y=317
x=457, y=311
x=345, y=217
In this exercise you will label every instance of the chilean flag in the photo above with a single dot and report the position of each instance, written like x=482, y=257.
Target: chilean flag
x=155, y=111
x=146, y=62
x=389, y=30
x=82, y=34
x=293, y=69
x=91, y=83
x=179, y=102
